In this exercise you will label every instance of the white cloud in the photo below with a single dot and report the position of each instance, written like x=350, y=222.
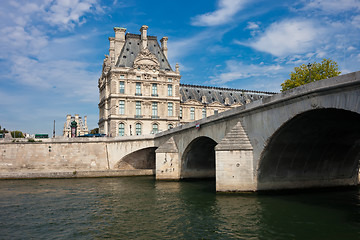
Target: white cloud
x=356, y=21
x=252, y=25
x=225, y=12
x=333, y=6
x=260, y=77
x=287, y=37
x=237, y=70
x=67, y=13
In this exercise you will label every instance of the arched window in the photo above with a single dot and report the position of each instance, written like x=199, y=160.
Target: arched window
x=138, y=129
x=121, y=129
x=155, y=128
x=170, y=126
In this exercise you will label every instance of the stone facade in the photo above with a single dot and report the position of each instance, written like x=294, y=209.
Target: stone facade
x=81, y=126
x=141, y=94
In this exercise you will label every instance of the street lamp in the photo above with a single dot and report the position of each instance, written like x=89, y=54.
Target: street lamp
x=309, y=67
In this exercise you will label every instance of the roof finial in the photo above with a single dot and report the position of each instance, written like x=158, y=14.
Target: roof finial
x=177, y=68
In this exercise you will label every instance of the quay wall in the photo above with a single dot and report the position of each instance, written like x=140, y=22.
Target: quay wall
x=66, y=158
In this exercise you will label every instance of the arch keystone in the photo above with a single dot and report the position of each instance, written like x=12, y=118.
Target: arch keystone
x=234, y=162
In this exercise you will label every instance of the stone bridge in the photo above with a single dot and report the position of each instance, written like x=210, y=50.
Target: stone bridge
x=306, y=137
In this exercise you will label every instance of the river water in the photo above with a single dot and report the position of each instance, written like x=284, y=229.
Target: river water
x=142, y=208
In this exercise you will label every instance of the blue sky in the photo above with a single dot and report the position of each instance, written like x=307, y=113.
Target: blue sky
x=51, y=52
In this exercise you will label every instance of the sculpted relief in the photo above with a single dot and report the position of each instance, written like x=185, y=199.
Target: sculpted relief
x=147, y=61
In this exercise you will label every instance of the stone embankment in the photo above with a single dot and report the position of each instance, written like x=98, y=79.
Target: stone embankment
x=69, y=158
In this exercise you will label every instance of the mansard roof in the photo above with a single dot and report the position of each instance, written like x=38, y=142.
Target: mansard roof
x=132, y=47
x=216, y=94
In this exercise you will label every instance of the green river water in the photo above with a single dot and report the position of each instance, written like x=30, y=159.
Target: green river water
x=142, y=208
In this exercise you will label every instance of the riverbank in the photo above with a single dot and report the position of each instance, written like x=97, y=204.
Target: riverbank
x=78, y=174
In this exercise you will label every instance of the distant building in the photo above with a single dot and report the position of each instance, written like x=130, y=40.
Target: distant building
x=80, y=126
x=141, y=94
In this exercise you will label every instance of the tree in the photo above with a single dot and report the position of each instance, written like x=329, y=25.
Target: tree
x=318, y=71
x=94, y=131
x=17, y=134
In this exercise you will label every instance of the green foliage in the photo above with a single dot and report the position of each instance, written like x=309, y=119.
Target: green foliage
x=301, y=75
x=3, y=131
x=94, y=131
x=31, y=140
x=17, y=134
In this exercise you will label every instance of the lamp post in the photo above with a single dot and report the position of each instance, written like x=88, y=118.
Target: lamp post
x=309, y=67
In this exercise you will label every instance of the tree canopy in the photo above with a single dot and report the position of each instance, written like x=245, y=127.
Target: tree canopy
x=318, y=71
x=94, y=131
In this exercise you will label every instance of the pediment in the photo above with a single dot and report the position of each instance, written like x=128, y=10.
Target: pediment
x=194, y=102
x=215, y=104
x=236, y=104
x=146, y=60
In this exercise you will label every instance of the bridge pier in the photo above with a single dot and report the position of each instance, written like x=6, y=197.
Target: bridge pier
x=234, y=162
x=167, y=161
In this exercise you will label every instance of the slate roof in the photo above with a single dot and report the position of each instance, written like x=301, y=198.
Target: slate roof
x=132, y=48
x=216, y=94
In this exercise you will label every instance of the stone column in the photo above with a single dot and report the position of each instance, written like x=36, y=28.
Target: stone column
x=167, y=161
x=234, y=162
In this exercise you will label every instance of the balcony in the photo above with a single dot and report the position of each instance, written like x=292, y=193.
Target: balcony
x=138, y=94
x=154, y=95
x=155, y=117
x=139, y=116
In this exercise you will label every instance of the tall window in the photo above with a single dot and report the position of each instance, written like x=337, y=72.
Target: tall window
x=216, y=111
x=122, y=87
x=204, y=112
x=138, y=108
x=121, y=129
x=121, y=107
x=154, y=89
x=154, y=109
x=192, y=113
x=180, y=112
x=138, y=129
x=170, y=109
x=138, y=89
x=169, y=89
x=155, y=128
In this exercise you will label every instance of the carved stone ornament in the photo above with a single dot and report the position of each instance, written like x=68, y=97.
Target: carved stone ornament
x=146, y=61
x=147, y=76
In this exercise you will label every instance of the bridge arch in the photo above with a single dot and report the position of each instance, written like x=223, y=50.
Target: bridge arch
x=315, y=148
x=198, y=159
x=141, y=159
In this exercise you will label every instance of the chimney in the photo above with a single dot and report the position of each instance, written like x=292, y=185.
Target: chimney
x=164, y=45
x=77, y=118
x=85, y=121
x=112, y=50
x=143, y=31
x=119, y=41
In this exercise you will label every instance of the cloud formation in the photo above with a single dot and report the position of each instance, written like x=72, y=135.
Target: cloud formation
x=225, y=12
x=236, y=71
x=333, y=6
x=289, y=36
